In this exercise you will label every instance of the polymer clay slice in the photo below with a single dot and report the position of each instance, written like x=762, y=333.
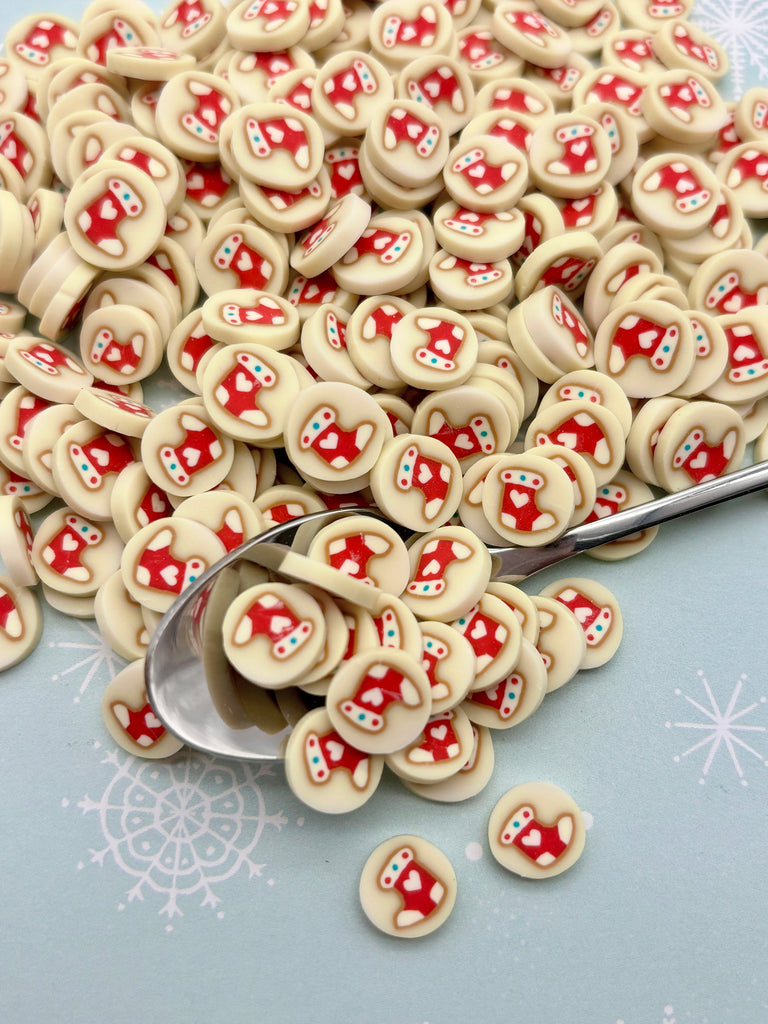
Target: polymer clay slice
x=119, y=620
x=402, y=30
x=585, y=427
x=441, y=83
x=675, y=193
x=449, y=661
x=276, y=145
x=561, y=644
x=162, y=559
x=385, y=258
x=597, y=612
x=530, y=34
x=21, y=622
x=683, y=106
x=379, y=700
x=233, y=519
x=73, y=555
x=250, y=315
x=527, y=499
x=494, y=633
x=440, y=752
x=190, y=111
x=130, y=719
x=85, y=462
x=114, y=216
x=46, y=369
x=335, y=432
x=646, y=346
x=433, y=348
x=700, y=441
x=417, y=481
x=624, y=491
x=121, y=344
x=471, y=778
x=324, y=771
x=331, y=237
x=511, y=700
x=485, y=173
x=248, y=390
x=348, y=89
x=570, y=155
x=136, y=501
x=407, y=887
x=114, y=411
x=16, y=537
x=450, y=569
x=408, y=142
x=184, y=452
x=365, y=549
x=536, y=830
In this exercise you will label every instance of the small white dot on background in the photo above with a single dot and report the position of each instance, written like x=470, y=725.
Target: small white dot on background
x=474, y=851
x=589, y=821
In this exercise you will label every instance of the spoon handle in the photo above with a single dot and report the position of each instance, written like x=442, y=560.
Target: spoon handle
x=521, y=562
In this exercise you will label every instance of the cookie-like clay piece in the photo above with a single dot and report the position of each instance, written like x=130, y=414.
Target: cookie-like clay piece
x=561, y=643
x=114, y=216
x=536, y=830
x=273, y=633
x=597, y=612
x=407, y=887
x=441, y=750
x=471, y=778
x=380, y=700
x=514, y=698
x=700, y=441
x=528, y=500
x=130, y=718
x=326, y=772
x=450, y=569
x=21, y=622
x=417, y=481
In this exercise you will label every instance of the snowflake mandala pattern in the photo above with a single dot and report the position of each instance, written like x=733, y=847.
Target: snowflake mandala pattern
x=181, y=827
x=92, y=656
x=741, y=27
x=726, y=729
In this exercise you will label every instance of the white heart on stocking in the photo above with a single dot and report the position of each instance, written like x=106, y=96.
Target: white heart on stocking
x=374, y=697
x=413, y=130
x=191, y=456
x=157, y=503
x=479, y=630
x=311, y=291
x=276, y=134
x=532, y=838
x=463, y=441
x=10, y=150
x=582, y=613
x=329, y=442
x=108, y=210
x=345, y=171
x=579, y=148
x=412, y=881
x=440, y=732
x=476, y=172
x=69, y=543
x=518, y=498
x=424, y=474
x=244, y=261
x=335, y=750
x=170, y=575
x=349, y=82
x=152, y=721
x=432, y=89
x=699, y=462
x=243, y=382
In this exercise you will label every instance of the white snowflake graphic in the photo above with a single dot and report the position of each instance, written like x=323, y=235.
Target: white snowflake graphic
x=724, y=729
x=181, y=827
x=741, y=27
x=93, y=656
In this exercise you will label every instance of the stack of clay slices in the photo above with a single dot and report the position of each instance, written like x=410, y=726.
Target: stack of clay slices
x=488, y=268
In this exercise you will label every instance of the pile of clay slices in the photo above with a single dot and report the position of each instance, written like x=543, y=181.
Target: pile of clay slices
x=487, y=268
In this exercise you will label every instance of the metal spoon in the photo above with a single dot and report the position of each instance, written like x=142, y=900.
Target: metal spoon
x=176, y=679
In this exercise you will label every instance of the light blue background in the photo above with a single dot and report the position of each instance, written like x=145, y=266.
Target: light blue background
x=662, y=921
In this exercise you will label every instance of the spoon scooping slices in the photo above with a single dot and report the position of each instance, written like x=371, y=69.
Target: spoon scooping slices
x=176, y=669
